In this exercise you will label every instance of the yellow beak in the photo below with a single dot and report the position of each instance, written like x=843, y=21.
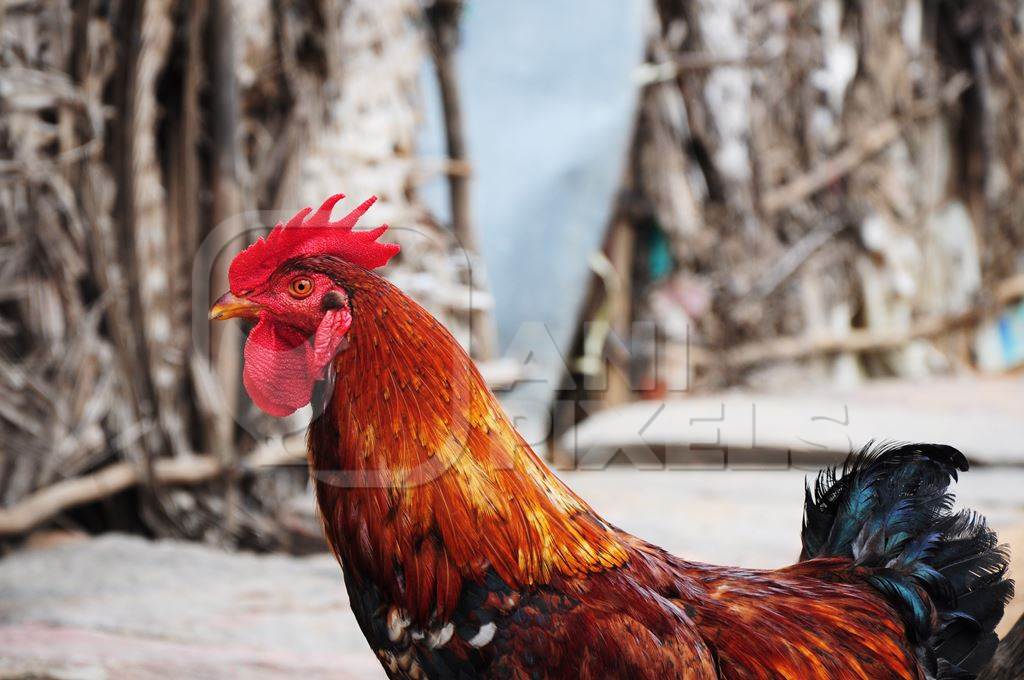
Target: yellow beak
x=229, y=307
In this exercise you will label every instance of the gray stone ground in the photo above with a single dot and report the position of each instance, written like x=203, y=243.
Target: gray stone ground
x=123, y=607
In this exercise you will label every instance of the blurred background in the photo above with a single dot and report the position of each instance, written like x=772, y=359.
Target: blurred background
x=697, y=247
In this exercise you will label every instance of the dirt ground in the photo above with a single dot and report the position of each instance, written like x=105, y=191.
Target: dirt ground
x=123, y=607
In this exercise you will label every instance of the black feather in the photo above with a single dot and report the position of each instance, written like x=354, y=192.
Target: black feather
x=891, y=512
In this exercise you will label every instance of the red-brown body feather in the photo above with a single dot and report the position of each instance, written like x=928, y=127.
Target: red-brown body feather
x=425, y=487
x=464, y=556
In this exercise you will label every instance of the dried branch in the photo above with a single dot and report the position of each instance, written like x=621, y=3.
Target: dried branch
x=864, y=340
x=185, y=470
x=859, y=150
x=695, y=62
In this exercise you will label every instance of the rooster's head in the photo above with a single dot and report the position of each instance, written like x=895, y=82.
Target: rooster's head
x=293, y=286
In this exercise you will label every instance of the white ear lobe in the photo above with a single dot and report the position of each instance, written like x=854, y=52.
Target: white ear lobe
x=329, y=334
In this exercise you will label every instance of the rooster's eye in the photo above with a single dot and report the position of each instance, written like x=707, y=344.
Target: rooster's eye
x=300, y=287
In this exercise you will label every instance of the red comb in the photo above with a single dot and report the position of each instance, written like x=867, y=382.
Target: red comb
x=317, y=235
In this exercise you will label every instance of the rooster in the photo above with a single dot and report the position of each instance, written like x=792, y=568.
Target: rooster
x=464, y=556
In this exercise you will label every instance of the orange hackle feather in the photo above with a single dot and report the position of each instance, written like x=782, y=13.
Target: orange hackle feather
x=449, y=486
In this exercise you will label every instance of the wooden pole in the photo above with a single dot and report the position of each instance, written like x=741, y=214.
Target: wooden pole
x=443, y=17
x=226, y=205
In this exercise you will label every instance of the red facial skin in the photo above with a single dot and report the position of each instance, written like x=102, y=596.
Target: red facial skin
x=294, y=339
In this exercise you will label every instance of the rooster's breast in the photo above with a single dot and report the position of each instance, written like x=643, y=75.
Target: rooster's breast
x=601, y=625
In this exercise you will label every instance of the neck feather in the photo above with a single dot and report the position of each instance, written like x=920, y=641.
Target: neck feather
x=421, y=478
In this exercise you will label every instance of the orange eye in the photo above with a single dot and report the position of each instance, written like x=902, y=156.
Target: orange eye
x=300, y=287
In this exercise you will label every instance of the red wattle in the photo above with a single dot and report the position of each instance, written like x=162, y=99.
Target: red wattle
x=281, y=365
x=279, y=372
x=328, y=337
